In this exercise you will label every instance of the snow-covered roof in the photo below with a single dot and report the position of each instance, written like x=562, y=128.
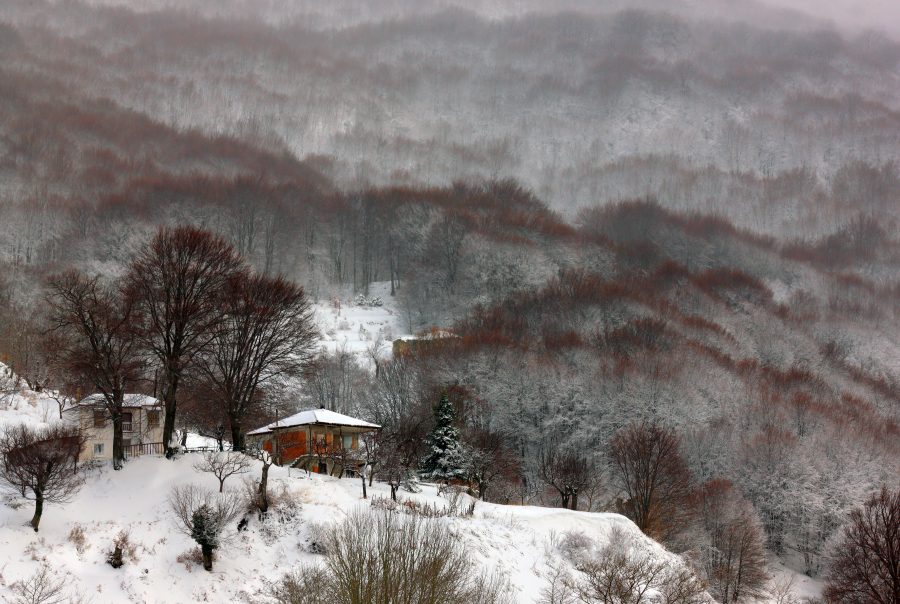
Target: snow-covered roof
x=130, y=400
x=316, y=416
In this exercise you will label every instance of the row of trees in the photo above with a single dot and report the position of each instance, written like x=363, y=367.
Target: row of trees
x=187, y=314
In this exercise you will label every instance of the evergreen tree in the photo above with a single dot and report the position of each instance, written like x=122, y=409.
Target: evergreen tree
x=444, y=459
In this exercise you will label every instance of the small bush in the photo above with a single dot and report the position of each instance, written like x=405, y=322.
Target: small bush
x=575, y=546
x=191, y=558
x=307, y=585
x=78, y=538
x=380, y=556
x=122, y=549
x=318, y=539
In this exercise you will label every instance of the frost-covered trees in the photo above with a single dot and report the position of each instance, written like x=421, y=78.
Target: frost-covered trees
x=203, y=515
x=41, y=464
x=865, y=565
x=444, y=458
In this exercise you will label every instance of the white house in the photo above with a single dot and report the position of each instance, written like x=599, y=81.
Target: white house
x=142, y=425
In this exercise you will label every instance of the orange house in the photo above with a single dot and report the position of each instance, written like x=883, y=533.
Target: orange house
x=318, y=440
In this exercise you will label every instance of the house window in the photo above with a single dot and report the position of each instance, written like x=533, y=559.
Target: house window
x=99, y=418
x=98, y=449
x=126, y=422
x=348, y=441
x=152, y=419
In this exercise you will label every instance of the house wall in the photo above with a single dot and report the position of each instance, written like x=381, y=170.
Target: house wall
x=295, y=442
x=141, y=431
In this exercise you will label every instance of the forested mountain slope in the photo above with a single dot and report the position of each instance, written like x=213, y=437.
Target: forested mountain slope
x=620, y=215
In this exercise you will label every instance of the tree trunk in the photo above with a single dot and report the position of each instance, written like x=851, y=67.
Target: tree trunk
x=263, y=489
x=237, y=436
x=207, y=551
x=38, y=509
x=362, y=476
x=394, y=492
x=118, y=449
x=171, y=406
x=575, y=499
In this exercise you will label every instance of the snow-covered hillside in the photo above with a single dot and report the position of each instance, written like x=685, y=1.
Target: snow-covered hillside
x=75, y=538
x=360, y=325
x=519, y=541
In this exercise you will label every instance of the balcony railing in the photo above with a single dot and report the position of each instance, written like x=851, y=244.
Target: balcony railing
x=144, y=449
x=126, y=426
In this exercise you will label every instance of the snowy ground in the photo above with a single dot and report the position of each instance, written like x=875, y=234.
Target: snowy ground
x=515, y=540
x=348, y=326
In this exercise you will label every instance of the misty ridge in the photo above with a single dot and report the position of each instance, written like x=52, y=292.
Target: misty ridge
x=598, y=216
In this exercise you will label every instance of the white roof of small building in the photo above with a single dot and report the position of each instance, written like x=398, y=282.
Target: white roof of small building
x=129, y=400
x=316, y=416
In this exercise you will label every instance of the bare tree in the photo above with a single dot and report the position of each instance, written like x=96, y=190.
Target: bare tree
x=42, y=463
x=567, y=472
x=177, y=282
x=203, y=515
x=865, y=566
x=268, y=330
x=655, y=478
x=734, y=557
x=99, y=343
x=40, y=588
x=487, y=460
x=223, y=465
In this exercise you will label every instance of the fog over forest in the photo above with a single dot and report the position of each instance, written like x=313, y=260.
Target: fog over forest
x=594, y=215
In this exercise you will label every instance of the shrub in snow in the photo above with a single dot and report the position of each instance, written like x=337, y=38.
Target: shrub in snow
x=203, y=516
x=575, y=546
x=78, y=538
x=378, y=556
x=317, y=540
x=122, y=548
x=620, y=573
x=362, y=300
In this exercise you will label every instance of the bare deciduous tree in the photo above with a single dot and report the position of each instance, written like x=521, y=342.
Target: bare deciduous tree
x=735, y=556
x=567, y=472
x=203, y=515
x=177, y=281
x=865, y=566
x=40, y=588
x=42, y=463
x=268, y=330
x=99, y=343
x=223, y=465
x=654, y=477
